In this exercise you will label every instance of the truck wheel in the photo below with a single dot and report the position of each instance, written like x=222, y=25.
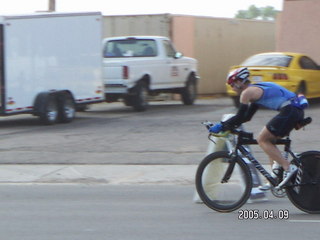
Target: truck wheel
x=140, y=98
x=127, y=100
x=189, y=92
x=49, y=114
x=66, y=108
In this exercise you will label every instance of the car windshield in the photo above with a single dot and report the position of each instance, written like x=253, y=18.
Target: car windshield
x=130, y=47
x=268, y=60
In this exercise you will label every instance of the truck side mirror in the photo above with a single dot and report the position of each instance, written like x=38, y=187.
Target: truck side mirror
x=178, y=55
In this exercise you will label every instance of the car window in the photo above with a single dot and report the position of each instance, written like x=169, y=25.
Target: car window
x=268, y=60
x=130, y=47
x=308, y=63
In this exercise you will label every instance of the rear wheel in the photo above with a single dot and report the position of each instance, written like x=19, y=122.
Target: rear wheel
x=236, y=101
x=304, y=189
x=49, y=113
x=140, y=98
x=228, y=196
x=302, y=89
x=67, y=110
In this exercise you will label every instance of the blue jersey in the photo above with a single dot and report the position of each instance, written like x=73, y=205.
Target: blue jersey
x=273, y=95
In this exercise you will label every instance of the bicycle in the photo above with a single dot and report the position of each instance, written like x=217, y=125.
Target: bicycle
x=230, y=186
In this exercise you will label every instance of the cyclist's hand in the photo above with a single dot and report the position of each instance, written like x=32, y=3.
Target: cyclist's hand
x=216, y=128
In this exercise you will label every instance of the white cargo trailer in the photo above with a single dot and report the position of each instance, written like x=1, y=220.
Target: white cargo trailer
x=50, y=63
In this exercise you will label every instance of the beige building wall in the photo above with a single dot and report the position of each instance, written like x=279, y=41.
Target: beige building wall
x=126, y=25
x=298, y=28
x=183, y=34
x=217, y=43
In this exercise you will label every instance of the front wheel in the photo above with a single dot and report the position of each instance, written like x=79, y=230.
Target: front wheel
x=219, y=196
x=303, y=189
x=189, y=92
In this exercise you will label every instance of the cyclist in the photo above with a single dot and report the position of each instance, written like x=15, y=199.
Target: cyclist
x=271, y=96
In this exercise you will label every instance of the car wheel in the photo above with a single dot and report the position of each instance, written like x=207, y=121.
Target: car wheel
x=236, y=101
x=140, y=98
x=189, y=92
x=302, y=89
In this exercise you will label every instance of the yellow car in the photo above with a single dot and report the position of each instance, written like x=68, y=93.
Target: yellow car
x=294, y=71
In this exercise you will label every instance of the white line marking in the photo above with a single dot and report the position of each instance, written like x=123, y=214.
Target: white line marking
x=305, y=221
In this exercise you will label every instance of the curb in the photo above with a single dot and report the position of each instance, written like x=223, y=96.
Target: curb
x=97, y=174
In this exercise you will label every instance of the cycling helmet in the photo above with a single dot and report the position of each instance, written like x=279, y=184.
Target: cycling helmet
x=240, y=74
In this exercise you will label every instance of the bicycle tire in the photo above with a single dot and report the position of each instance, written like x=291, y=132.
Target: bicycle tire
x=306, y=195
x=223, y=197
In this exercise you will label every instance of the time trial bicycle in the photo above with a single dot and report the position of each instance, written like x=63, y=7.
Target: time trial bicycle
x=230, y=182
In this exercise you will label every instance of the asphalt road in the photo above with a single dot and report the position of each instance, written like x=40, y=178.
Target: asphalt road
x=103, y=212
x=131, y=204
x=168, y=133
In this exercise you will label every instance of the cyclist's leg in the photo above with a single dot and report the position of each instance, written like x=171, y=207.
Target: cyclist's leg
x=279, y=126
x=265, y=140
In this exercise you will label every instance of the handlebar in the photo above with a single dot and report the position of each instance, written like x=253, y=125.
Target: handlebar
x=225, y=133
x=220, y=134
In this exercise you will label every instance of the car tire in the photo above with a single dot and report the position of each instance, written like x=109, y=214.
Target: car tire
x=236, y=101
x=189, y=92
x=140, y=97
x=302, y=89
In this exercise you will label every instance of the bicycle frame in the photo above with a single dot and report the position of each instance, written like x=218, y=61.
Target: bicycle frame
x=245, y=140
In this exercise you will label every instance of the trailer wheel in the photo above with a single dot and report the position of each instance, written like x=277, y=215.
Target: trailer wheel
x=66, y=108
x=49, y=113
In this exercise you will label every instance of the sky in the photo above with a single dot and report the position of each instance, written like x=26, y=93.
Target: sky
x=213, y=8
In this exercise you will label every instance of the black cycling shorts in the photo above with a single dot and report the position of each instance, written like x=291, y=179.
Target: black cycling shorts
x=283, y=123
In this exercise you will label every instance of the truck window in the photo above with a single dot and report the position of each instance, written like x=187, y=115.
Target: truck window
x=170, y=51
x=130, y=48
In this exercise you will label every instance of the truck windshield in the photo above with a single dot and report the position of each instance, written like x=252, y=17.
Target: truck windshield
x=130, y=48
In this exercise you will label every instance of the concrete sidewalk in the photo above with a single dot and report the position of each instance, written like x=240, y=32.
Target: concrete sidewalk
x=97, y=174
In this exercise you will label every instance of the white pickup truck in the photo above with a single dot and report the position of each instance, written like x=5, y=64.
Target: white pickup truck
x=136, y=67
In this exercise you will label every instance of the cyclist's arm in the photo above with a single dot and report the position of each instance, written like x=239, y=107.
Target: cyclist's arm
x=246, y=110
x=244, y=114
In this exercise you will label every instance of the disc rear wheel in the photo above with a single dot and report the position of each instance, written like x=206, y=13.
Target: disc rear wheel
x=304, y=188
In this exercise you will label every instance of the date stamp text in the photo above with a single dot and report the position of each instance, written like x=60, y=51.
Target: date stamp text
x=255, y=214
